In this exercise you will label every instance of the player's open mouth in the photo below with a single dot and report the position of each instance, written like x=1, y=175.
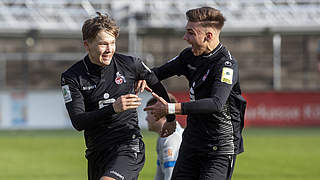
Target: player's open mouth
x=106, y=57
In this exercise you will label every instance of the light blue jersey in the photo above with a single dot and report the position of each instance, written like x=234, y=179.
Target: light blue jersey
x=168, y=150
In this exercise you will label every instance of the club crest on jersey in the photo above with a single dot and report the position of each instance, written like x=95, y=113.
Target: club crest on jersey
x=120, y=78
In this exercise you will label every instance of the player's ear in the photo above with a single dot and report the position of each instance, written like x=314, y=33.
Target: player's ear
x=209, y=35
x=86, y=44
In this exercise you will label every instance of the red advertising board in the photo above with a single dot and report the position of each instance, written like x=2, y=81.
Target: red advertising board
x=181, y=97
x=276, y=108
x=283, y=109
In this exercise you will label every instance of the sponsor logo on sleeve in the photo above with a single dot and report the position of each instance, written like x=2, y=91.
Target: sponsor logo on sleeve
x=227, y=74
x=66, y=93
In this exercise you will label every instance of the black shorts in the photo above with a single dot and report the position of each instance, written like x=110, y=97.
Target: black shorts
x=122, y=162
x=193, y=165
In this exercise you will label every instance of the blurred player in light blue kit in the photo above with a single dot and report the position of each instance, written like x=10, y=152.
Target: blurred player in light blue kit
x=167, y=147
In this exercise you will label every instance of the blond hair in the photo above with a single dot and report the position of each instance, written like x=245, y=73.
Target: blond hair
x=93, y=26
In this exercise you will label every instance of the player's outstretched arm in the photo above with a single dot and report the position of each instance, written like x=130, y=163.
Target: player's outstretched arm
x=162, y=107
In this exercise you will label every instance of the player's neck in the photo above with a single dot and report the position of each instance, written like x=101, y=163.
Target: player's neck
x=212, y=45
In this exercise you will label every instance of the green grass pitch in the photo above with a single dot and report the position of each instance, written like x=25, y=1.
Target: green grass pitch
x=270, y=154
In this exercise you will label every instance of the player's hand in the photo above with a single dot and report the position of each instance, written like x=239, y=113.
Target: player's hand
x=125, y=102
x=160, y=109
x=141, y=86
x=168, y=128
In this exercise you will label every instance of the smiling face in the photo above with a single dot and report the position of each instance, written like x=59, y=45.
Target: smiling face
x=195, y=35
x=101, y=48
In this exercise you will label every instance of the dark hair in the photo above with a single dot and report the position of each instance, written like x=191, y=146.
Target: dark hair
x=208, y=16
x=153, y=100
x=92, y=26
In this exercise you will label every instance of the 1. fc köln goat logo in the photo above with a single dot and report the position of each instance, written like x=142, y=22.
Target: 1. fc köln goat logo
x=120, y=78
